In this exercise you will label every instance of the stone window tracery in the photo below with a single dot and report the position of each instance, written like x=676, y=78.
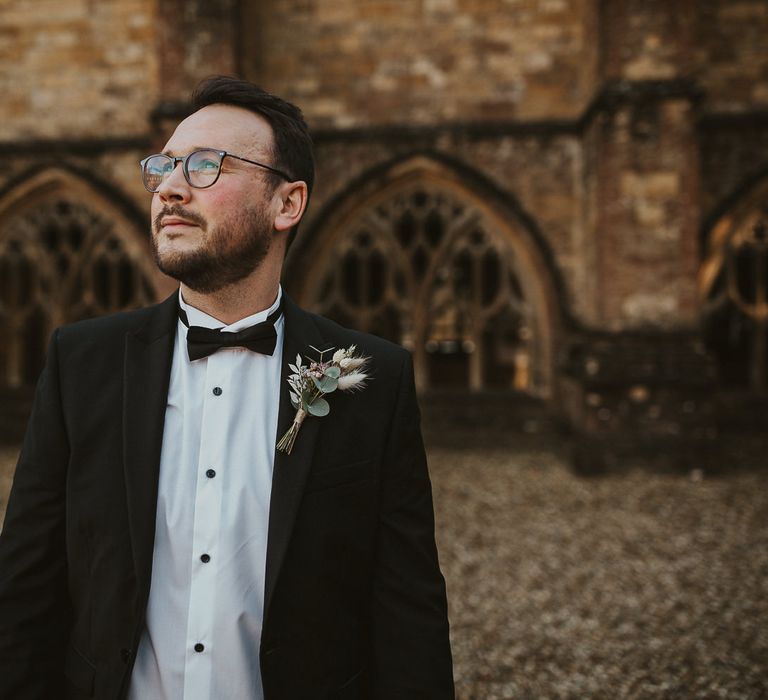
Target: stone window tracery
x=429, y=271
x=60, y=261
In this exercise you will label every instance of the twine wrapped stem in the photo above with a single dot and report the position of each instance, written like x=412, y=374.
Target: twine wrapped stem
x=286, y=442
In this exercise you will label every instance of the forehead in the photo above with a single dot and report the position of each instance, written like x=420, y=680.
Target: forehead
x=224, y=127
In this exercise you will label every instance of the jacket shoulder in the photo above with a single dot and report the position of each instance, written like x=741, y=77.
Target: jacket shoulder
x=103, y=331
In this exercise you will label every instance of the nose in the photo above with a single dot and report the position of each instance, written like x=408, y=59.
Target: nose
x=175, y=187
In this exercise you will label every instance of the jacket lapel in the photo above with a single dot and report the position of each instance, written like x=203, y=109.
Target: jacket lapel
x=148, y=358
x=290, y=471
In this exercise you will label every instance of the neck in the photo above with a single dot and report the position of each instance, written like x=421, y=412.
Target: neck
x=255, y=293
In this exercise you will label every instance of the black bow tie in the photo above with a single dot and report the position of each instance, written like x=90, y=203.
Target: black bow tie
x=260, y=338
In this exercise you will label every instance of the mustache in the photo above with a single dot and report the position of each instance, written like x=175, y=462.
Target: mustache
x=181, y=212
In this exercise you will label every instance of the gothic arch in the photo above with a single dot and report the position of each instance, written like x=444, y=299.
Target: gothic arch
x=733, y=287
x=436, y=260
x=67, y=252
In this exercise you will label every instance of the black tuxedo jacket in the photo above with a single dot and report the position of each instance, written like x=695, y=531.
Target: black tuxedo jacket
x=355, y=604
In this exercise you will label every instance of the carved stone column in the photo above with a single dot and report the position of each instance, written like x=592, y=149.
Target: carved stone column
x=639, y=379
x=195, y=39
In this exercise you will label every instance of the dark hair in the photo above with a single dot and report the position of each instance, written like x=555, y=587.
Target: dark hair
x=292, y=143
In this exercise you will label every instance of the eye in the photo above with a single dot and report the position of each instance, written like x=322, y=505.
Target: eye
x=206, y=165
x=204, y=162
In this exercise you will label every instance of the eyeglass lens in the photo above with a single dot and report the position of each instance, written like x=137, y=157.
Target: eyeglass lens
x=201, y=169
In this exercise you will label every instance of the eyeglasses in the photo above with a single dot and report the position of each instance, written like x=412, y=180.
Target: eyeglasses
x=201, y=168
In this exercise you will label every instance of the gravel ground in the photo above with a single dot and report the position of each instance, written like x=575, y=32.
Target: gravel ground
x=637, y=585
x=630, y=586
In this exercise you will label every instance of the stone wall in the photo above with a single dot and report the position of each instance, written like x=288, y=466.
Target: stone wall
x=615, y=129
x=732, y=54
x=646, y=39
x=647, y=218
x=77, y=68
x=351, y=63
x=195, y=38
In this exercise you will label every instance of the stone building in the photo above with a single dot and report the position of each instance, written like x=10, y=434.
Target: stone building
x=558, y=199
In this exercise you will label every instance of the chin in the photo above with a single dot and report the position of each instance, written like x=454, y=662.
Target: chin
x=167, y=248
x=175, y=260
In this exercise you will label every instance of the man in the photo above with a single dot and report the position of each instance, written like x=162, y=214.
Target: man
x=156, y=545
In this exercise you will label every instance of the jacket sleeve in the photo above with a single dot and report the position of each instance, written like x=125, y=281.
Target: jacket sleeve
x=412, y=656
x=34, y=605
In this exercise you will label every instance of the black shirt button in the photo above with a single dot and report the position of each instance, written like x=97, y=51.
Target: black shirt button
x=210, y=473
x=217, y=391
x=125, y=655
x=199, y=647
x=205, y=558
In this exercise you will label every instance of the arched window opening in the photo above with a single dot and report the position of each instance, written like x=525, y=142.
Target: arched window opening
x=427, y=268
x=736, y=302
x=60, y=261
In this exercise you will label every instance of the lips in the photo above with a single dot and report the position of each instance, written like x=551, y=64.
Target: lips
x=175, y=221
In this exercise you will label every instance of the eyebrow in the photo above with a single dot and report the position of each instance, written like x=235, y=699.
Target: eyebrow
x=192, y=150
x=211, y=148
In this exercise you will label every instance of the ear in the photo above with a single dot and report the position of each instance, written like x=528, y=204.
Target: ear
x=293, y=201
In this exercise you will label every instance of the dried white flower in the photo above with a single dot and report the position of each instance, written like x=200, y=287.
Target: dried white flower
x=350, y=363
x=354, y=381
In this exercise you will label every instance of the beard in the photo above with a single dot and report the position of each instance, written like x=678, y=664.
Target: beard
x=227, y=254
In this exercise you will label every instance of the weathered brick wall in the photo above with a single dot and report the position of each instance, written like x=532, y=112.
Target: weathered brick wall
x=76, y=68
x=732, y=58
x=732, y=54
x=646, y=39
x=86, y=69
x=352, y=63
x=499, y=87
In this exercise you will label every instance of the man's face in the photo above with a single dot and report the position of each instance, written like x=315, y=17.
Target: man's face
x=211, y=238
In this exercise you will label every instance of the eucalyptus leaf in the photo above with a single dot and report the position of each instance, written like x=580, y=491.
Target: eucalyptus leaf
x=319, y=407
x=332, y=372
x=326, y=384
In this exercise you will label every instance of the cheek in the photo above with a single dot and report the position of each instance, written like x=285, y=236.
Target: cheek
x=224, y=201
x=156, y=208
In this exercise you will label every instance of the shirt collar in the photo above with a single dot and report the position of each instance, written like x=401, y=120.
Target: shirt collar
x=200, y=318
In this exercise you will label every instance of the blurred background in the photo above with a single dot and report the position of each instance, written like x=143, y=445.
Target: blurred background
x=559, y=206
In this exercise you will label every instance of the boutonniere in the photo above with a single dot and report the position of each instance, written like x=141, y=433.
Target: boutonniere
x=310, y=384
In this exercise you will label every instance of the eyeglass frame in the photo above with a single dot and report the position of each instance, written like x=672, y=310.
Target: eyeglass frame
x=175, y=160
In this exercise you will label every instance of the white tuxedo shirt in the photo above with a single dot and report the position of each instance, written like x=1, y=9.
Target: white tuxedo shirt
x=206, y=602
